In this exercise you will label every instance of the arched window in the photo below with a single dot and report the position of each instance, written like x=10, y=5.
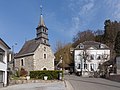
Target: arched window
x=44, y=48
x=22, y=62
x=45, y=56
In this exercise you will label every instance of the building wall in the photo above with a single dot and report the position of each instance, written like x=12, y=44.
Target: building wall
x=28, y=63
x=37, y=61
x=40, y=62
x=3, y=65
x=94, y=63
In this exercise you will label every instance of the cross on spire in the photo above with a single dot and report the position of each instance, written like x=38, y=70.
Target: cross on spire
x=41, y=22
x=41, y=9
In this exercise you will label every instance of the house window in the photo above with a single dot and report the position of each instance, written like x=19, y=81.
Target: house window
x=91, y=57
x=79, y=66
x=105, y=56
x=22, y=62
x=2, y=52
x=1, y=57
x=91, y=67
x=1, y=76
x=85, y=66
x=99, y=57
x=45, y=56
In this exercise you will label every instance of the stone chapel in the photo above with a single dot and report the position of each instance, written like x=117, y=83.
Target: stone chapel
x=36, y=54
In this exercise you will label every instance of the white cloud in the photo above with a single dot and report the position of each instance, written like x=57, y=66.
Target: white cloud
x=75, y=27
x=113, y=8
x=76, y=22
x=87, y=7
x=116, y=14
x=80, y=9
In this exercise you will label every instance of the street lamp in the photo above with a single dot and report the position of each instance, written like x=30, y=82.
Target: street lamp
x=61, y=59
x=13, y=54
x=59, y=62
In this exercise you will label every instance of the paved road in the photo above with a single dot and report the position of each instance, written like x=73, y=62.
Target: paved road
x=37, y=86
x=82, y=83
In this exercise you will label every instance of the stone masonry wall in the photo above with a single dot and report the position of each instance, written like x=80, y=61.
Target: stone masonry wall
x=28, y=63
x=40, y=62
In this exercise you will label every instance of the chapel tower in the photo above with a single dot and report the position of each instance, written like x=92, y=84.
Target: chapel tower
x=42, y=31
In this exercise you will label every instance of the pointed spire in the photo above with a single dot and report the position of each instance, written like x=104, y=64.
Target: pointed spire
x=41, y=23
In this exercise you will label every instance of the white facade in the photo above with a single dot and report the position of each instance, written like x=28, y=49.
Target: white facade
x=3, y=62
x=88, y=56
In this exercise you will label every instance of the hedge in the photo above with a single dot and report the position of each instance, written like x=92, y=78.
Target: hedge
x=52, y=74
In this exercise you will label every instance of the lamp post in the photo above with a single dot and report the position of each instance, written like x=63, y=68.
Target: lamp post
x=13, y=54
x=61, y=59
x=59, y=62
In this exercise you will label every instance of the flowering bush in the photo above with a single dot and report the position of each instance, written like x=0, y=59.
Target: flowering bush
x=23, y=72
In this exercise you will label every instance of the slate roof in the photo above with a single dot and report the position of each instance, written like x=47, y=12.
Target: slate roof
x=41, y=23
x=28, y=48
x=88, y=44
x=4, y=44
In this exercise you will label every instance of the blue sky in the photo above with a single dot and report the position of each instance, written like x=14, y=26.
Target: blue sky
x=64, y=18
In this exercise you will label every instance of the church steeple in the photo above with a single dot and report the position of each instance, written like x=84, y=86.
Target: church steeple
x=42, y=31
x=41, y=22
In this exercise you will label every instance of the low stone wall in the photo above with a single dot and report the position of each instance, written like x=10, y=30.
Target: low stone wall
x=114, y=78
x=13, y=82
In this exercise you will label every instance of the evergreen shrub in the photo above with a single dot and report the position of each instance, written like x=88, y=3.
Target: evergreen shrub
x=52, y=74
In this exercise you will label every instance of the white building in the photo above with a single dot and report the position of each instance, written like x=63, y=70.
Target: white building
x=4, y=50
x=88, y=55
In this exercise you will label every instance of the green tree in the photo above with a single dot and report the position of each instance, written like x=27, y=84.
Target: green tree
x=110, y=33
x=117, y=44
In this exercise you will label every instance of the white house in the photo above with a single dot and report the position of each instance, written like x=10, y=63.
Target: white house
x=89, y=55
x=4, y=50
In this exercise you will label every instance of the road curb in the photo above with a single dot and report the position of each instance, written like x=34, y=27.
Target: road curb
x=68, y=85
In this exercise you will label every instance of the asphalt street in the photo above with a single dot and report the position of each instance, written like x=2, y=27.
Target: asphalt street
x=83, y=83
x=37, y=86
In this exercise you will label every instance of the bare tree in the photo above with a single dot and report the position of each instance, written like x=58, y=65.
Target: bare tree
x=87, y=35
x=59, y=45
